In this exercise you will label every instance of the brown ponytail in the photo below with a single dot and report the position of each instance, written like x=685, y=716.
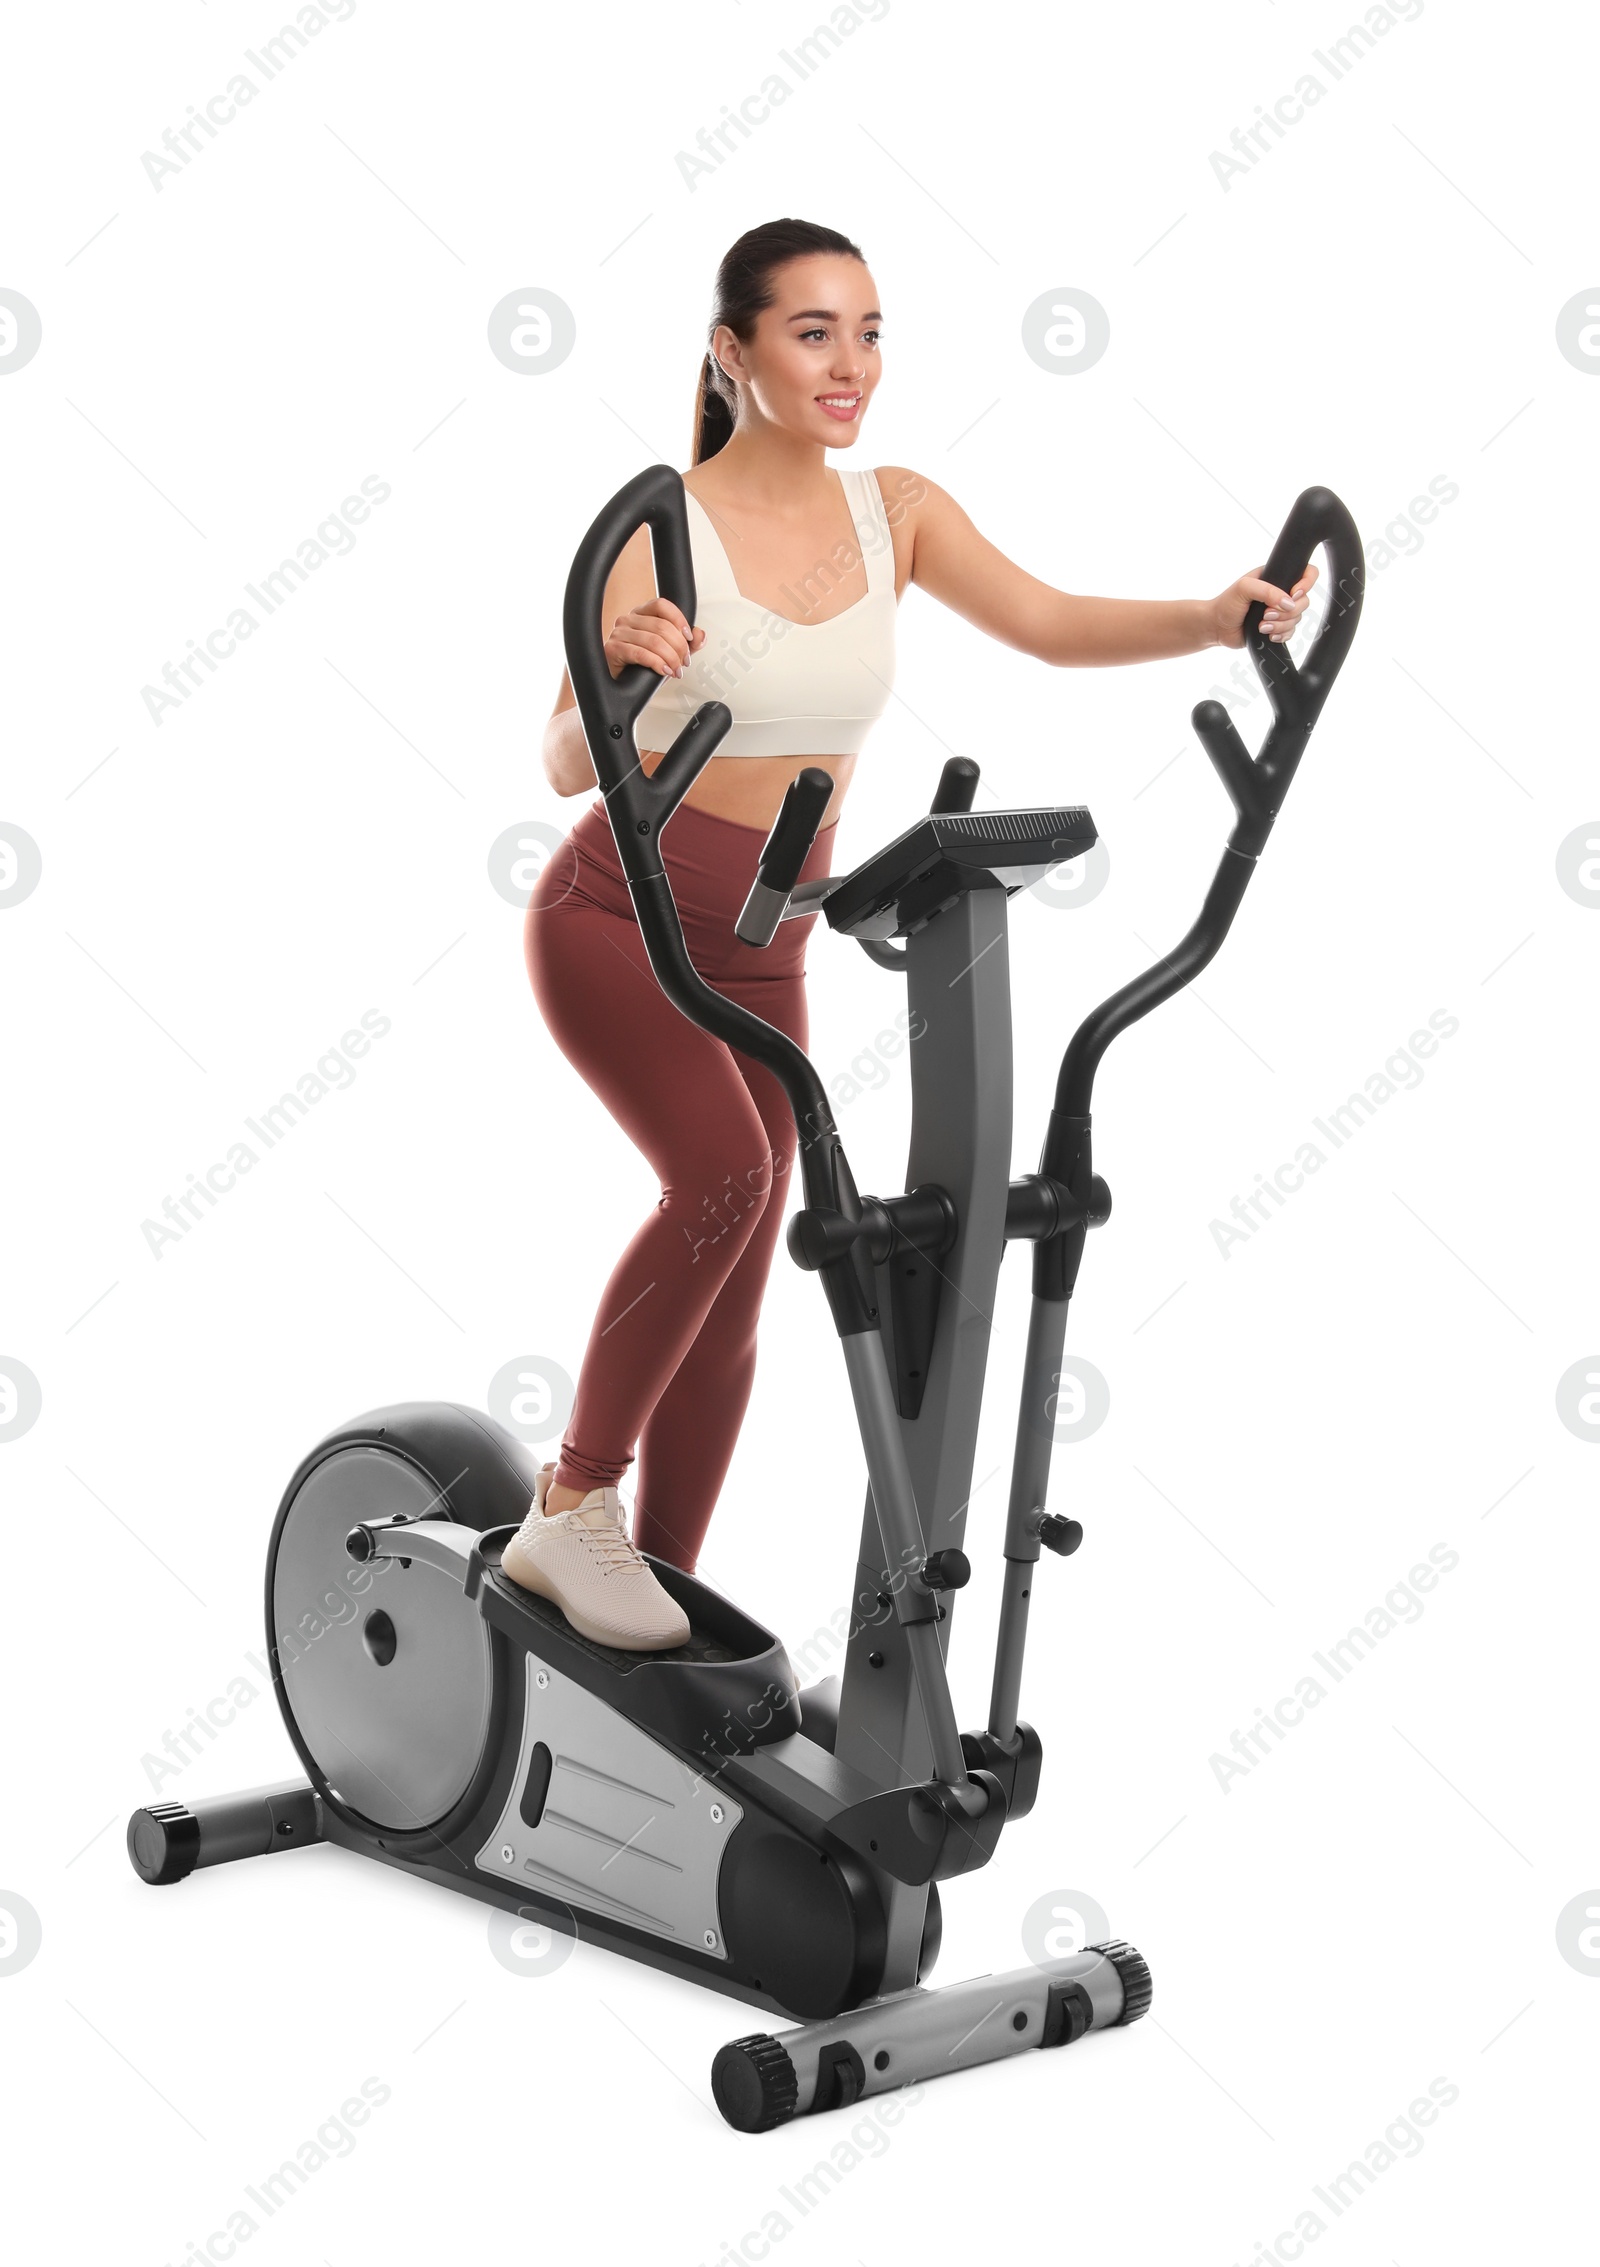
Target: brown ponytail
x=744, y=286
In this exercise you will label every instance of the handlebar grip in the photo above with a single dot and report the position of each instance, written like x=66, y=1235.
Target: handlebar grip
x=1317, y=517
x=1258, y=784
x=608, y=706
x=653, y=499
x=957, y=788
x=787, y=847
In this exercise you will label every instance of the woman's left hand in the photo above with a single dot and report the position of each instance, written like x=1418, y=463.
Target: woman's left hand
x=1284, y=608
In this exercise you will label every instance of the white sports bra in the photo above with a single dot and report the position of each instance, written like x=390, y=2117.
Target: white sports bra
x=795, y=688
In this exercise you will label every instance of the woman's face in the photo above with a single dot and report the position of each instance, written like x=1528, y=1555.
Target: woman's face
x=812, y=365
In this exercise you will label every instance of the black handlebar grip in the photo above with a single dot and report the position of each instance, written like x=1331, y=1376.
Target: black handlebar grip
x=787, y=847
x=958, y=785
x=1258, y=784
x=653, y=499
x=639, y=805
x=1317, y=517
x=608, y=706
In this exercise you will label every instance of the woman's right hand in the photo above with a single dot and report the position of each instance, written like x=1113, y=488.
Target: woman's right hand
x=657, y=634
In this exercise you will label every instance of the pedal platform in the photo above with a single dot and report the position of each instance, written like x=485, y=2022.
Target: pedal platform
x=729, y=1690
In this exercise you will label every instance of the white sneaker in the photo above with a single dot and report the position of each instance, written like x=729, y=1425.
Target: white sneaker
x=583, y=1561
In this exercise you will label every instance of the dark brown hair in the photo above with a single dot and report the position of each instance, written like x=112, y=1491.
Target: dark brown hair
x=745, y=285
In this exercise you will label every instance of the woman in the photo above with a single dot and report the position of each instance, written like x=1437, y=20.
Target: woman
x=798, y=571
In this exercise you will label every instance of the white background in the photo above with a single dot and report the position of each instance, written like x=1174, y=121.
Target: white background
x=1372, y=305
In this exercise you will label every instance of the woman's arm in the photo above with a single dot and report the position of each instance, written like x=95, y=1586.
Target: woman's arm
x=964, y=571
x=564, y=751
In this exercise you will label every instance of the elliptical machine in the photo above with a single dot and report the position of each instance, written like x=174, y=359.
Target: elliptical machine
x=694, y=1809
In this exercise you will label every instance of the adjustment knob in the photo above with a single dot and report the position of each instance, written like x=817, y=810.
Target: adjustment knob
x=1060, y=1535
x=817, y=1236
x=947, y=1570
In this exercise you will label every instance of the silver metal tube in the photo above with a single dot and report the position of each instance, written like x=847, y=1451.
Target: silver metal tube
x=1010, y=1643
x=1030, y=1483
x=900, y=1537
x=922, y=2034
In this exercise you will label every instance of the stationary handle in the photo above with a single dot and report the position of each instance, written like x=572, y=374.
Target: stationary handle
x=609, y=707
x=787, y=847
x=957, y=788
x=1258, y=784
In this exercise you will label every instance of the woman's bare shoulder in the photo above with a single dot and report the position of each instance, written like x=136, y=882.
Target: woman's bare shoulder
x=905, y=493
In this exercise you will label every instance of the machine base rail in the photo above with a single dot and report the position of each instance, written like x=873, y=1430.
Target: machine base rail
x=167, y=1841
x=764, y=2080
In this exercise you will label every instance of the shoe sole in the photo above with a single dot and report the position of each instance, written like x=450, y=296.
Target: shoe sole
x=595, y=1632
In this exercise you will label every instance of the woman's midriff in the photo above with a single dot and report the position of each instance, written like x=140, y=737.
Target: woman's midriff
x=749, y=789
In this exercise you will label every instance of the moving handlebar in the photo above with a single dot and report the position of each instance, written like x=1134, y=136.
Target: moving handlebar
x=1256, y=786
x=640, y=804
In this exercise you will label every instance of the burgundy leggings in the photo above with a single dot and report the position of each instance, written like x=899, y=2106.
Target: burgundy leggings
x=671, y=1355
